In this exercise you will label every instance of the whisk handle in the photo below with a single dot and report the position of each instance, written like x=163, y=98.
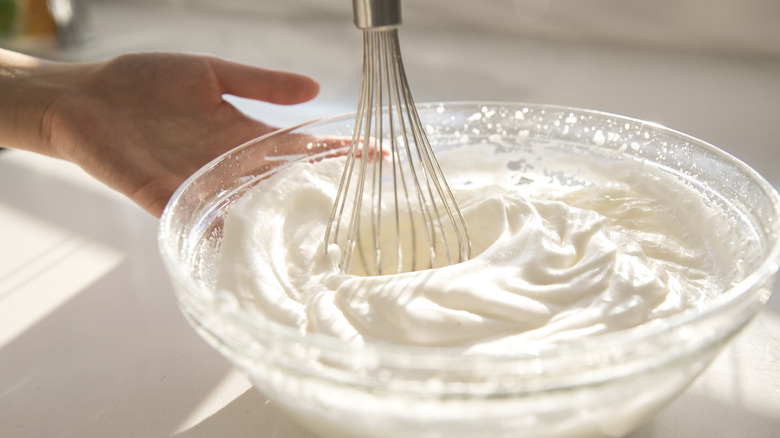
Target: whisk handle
x=374, y=14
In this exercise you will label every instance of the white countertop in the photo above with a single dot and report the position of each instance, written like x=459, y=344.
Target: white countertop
x=91, y=340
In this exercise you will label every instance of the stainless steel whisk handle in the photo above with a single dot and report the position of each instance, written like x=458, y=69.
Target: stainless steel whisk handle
x=375, y=14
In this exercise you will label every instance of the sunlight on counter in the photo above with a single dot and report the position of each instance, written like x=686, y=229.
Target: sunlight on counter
x=45, y=271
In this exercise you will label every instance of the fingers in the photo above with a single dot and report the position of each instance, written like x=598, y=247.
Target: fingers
x=267, y=85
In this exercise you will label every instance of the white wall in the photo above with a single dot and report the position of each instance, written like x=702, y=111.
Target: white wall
x=750, y=27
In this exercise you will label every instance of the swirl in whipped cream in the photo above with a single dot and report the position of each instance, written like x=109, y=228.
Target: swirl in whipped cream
x=551, y=261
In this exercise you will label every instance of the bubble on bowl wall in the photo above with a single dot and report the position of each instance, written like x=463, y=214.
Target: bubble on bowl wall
x=598, y=138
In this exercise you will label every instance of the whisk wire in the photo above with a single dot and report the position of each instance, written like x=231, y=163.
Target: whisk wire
x=378, y=167
x=403, y=103
x=434, y=172
x=394, y=100
x=388, y=130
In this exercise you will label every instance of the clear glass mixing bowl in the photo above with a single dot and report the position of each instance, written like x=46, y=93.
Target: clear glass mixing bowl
x=598, y=386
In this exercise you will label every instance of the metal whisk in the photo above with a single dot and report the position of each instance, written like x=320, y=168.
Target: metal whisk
x=393, y=208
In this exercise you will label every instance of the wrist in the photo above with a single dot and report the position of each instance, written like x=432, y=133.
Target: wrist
x=29, y=87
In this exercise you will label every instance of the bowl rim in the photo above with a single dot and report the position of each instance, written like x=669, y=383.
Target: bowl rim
x=633, y=335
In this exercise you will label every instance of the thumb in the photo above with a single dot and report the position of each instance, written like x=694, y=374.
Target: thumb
x=261, y=84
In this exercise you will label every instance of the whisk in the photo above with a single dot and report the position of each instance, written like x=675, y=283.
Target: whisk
x=393, y=208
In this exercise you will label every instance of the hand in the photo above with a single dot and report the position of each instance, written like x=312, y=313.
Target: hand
x=142, y=123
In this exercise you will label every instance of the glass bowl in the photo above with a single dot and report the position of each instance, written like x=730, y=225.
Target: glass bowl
x=601, y=385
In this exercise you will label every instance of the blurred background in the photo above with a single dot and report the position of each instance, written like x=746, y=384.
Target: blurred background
x=91, y=340
x=726, y=26
x=693, y=65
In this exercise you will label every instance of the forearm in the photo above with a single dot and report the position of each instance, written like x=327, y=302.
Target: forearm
x=28, y=87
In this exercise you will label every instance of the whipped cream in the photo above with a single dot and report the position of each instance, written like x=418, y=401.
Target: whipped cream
x=588, y=249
